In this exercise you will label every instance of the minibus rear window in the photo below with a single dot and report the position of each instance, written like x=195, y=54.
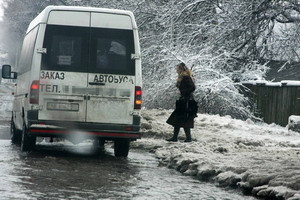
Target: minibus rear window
x=84, y=49
x=111, y=51
x=67, y=48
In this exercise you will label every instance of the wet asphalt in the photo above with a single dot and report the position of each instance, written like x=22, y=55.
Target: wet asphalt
x=84, y=171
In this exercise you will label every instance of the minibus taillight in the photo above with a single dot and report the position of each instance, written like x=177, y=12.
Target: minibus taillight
x=138, y=97
x=34, y=92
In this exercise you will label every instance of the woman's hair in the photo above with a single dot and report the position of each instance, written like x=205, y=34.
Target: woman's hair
x=184, y=69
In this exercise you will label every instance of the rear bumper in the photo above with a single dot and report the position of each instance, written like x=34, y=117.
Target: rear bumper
x=51, y=128
x=56, y=132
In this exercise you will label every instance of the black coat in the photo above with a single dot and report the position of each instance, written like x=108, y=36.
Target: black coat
x=183, y=115
x=186, y=87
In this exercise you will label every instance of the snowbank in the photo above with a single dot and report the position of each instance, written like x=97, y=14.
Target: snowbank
x=260, y=159
x=6, y=98
x=294, y=123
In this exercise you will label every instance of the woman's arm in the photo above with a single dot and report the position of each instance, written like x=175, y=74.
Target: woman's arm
x=187, y=86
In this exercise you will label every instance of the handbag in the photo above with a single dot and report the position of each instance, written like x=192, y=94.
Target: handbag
x=193, y=108
x=187, y=108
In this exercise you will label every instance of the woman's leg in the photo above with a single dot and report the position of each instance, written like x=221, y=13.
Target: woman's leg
x=188, y=135
x=175, y=135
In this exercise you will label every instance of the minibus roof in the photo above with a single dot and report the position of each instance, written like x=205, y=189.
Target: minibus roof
x=43, y=16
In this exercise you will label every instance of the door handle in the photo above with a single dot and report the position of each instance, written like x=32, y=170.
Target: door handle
x=86, y=97
x=96, y=83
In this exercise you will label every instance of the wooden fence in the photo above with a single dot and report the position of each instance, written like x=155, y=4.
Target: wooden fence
x=275, y=102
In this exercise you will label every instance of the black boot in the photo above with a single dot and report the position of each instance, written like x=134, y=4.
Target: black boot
x=175, y=135
x=188, y=135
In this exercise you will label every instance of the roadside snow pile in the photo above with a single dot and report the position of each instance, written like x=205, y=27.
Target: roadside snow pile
x=260, y=159
x=294, y=123
x=6, y=98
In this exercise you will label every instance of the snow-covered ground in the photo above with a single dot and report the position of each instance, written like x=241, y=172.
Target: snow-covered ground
x=259, y=159
x=6, y=98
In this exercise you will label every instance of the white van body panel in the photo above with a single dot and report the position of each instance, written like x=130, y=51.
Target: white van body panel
x=106, y=20
x=69, y=18
x=138, y=62
x=20, y=104
x=59, y=91
x=43, y=16
x=36, y=59
x=114, y=101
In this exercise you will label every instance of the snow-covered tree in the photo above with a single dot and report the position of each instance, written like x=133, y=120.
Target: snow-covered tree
x=224, y=41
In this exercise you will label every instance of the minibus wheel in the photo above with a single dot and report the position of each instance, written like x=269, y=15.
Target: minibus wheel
x=121, y=147
x=28, y=142
x=102, y=144
x=15, y=135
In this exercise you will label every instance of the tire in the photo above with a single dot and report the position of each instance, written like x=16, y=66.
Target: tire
x=121, y=147
x=15, y=135
x=102, y=144
x=28, y=142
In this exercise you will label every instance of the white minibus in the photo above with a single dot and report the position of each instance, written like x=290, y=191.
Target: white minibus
x=79, y=72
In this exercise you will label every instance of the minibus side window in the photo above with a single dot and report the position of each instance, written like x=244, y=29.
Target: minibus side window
x=111, y=51
x=67, y=48
x=27, y=51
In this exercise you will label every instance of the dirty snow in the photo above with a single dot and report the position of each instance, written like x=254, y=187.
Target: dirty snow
x=294, y=123
x=6, y=98
x=259, y=159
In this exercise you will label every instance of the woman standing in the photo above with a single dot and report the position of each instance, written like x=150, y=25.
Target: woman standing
x=183, y=116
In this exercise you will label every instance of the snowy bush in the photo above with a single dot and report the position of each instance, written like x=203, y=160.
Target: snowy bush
x=217, y=90
x=199, y=34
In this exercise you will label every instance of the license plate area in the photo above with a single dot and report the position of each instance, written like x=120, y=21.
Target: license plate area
x=58, y=106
